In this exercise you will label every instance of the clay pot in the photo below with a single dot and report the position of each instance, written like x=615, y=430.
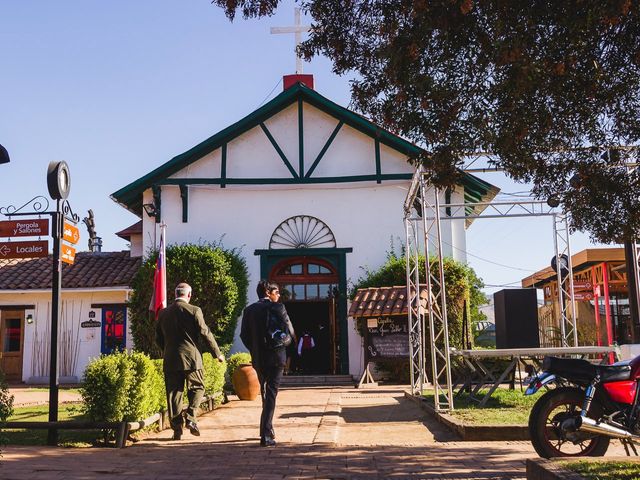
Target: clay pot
x=245, y=382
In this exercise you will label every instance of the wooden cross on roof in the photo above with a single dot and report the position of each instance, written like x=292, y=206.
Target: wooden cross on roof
x=298, y=30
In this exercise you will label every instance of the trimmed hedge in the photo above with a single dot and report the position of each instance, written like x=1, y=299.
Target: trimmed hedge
x=122, y=386
x=130, y=386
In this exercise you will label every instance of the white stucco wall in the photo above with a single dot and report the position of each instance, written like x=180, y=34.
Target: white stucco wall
x=366, y=216
x=76, y=306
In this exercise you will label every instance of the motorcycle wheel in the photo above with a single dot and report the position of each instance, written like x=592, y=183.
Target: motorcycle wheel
x=545, y=419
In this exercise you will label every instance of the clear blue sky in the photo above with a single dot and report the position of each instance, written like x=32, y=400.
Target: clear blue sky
x=117, y=88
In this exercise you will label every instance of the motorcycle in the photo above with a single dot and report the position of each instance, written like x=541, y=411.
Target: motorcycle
x=590, y=405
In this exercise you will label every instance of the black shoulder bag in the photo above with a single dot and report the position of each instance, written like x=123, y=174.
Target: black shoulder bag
x=277, y=333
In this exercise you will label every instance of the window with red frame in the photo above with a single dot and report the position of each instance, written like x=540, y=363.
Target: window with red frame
x=303, y=278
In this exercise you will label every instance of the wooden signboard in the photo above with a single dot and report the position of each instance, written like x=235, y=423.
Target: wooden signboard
x=67, y=254
x=33, y=249
x=387, y=337
x=70, y=233
x=24, y=228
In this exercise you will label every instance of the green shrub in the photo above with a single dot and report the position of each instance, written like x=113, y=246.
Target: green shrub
x=146, y=395
x=464, y=297
x=213, y=374
x=6, y=400
x=219, y=280
x=233, y=362
x=122, y=386
x=236, y=360
x=6, y=404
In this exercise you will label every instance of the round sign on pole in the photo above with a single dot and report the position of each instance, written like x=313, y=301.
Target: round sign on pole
x=58, y=180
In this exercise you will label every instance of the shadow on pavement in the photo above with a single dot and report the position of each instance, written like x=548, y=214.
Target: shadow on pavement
x=248, y=460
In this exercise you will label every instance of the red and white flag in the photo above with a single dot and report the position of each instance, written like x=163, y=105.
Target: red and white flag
x=159, y=296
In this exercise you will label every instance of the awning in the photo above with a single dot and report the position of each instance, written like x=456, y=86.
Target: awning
x=383, y=301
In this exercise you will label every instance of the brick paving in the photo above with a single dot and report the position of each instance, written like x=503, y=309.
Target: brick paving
x=322, y=433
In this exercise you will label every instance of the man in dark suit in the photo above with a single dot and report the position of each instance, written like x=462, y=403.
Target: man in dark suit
x=179, y=329
x=269, y=363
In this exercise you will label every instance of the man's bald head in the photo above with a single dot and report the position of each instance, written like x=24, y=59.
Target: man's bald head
x=183, y=291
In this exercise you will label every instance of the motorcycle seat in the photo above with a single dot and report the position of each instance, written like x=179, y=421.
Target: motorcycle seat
x=583, y=371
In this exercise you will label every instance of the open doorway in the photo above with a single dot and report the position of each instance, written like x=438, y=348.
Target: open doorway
x=307, y=285
x=311, y=355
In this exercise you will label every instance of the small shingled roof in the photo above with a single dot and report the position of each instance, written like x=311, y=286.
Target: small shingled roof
x=90, y=270
x=382, y=301
x=135, y=229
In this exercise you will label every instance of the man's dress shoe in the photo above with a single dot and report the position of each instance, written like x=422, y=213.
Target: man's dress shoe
x=193, y=428
x=267, y=442
x=177, y=435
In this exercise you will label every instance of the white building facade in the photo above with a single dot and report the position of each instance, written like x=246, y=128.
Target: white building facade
x=313, y=194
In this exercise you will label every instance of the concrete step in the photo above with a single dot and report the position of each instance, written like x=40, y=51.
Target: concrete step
x=316, y=380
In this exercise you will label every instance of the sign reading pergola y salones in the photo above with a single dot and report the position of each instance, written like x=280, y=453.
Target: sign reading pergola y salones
x=24, y=228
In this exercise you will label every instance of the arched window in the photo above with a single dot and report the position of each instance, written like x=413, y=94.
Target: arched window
x=302, y=231
x=304, y=278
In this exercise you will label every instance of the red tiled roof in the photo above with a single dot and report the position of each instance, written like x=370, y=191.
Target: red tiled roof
x=134, y=229
x=90, y=270
x=382, y=301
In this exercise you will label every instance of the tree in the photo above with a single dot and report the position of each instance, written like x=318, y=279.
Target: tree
x=547, y=87
x=219, y=281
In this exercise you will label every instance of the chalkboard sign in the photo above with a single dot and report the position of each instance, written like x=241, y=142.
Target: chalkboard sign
x=387, y=337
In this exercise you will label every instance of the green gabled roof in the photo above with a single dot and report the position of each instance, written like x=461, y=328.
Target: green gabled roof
x=130, y=196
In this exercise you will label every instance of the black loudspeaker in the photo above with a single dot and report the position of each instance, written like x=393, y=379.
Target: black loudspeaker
x=516, y=313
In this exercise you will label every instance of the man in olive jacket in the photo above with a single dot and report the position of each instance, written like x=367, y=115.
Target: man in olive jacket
x=179, y=329
x=268, y=363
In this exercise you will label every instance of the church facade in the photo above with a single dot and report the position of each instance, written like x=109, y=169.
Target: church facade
x=313, y=195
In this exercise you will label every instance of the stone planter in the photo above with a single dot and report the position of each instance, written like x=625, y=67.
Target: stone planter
x=245, y=382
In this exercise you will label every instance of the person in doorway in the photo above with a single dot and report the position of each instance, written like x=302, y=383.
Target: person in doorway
x=268, y=363
x=306, y=351
x=179, y=329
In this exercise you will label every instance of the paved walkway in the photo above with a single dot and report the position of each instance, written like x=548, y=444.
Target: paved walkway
x=322, y=433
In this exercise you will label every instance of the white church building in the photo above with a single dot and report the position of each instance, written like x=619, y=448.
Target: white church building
x=313, y=194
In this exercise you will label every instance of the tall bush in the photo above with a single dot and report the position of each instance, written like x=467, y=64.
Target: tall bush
x=462, y=285
x=219, y=280
x=213, y=374
x=464, y=297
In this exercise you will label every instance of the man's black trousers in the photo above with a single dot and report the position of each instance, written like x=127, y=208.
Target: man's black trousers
x=270, y=378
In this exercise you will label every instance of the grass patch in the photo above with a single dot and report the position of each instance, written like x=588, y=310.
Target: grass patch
x=504, y=407
x=40, y=413
x=602, y=470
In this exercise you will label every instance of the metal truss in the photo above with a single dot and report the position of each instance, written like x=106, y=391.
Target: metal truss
x=564, y=275
x=415, y=313
x=420, y=235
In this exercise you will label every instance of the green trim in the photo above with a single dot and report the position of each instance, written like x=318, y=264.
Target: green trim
x=284, y=181
x=325, y=148
x=300, y=139
x=278, y=149
x=335, y=256
x=184, y=196
x=378, y=167
x=223, y=166
x=130, y=196
x=157, y=201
